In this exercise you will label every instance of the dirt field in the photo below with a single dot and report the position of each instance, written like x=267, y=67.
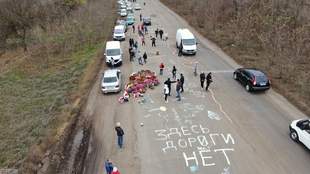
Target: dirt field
x=42, y=90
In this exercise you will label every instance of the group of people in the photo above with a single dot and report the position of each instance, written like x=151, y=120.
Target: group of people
x=167, y=84
x=135, y=53
x=207, y=78
x=162, y=35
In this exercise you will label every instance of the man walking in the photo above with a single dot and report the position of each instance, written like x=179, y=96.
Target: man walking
x=182, y=82
x=161, y=32
x=202, y=79
x=174, y=73
x=178, y=89
x=120, y=134
x=133, y=28
x=144, y=57
x=156, y=32
x=108, y=166
x=153, y=41
x=209, y=80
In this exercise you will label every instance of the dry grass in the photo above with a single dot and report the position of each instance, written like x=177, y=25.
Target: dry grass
x=37, y=91
x=272, y=37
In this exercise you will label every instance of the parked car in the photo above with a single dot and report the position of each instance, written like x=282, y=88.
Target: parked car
x=119, y=32
x=113, y=53
x=137, y=7
x=111, y=81
x=147, y=20
x=300, y=131
x=252, y=79
x=130, y=20
x=122, y=22
x=123, y=12
x=187, y=41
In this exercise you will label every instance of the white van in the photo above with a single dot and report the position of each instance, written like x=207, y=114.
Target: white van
x=113, y=53
x=188, y=41
x=119, y=32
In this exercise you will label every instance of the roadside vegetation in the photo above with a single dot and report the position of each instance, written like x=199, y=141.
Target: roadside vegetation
x=46, y=48
x=272, y=35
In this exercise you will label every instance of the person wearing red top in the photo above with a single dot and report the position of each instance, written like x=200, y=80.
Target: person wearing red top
x=115, y=171
x=161, y=68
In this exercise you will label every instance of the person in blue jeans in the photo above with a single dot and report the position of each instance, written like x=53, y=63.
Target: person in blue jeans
x=108, y=166
x=120, y=134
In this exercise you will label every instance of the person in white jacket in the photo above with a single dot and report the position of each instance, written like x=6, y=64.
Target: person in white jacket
x=166, y=92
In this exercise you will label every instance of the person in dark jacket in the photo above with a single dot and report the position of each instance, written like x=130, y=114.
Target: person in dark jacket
x=182, y=82
x=202, y=79
x=153, y=41
x=209, y=80
x=108, y=166
x=180, y=50
x=156, y=32
x=161, y=32
x=120, y=134
x=144, y=57
x=174, y=72
x=178, y=89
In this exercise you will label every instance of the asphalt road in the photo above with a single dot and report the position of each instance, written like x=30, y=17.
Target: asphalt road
x=225, y=130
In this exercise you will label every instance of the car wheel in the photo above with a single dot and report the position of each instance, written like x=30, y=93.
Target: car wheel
x=247, y=88
x=235, y=76
x=294, y=135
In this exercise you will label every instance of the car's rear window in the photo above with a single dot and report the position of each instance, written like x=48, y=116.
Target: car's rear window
x=261, y=78
x=109, y=79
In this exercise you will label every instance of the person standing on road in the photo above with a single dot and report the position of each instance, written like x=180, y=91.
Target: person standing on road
x=182, y=82
x=153, y=41
x=140, y=17
x=108, y=166
x=202, y=79
x=133, y=28
x=143, y=41
x=161, y=32
x=140, y=58
x=145, y=29
x=180, y=49
x=195, y=68
x=166, y=92
x=178, y=89
x=174, y=72
x=161, y=68
x=156, y=32
x=209, y=80
x=144, y=57
x=120, y=133
x=136, y=44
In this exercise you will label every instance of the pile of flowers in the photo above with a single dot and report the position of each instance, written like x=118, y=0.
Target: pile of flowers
x=138, y=84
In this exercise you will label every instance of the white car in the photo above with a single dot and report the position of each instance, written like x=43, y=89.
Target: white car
x=300, y=131
x=123, y=12
x=137, y=7
x=111, y=81
x=119, y=32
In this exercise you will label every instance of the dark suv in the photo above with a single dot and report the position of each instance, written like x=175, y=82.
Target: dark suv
x=252, y=79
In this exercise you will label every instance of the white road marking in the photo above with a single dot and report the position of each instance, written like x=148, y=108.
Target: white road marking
x=220, y=106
